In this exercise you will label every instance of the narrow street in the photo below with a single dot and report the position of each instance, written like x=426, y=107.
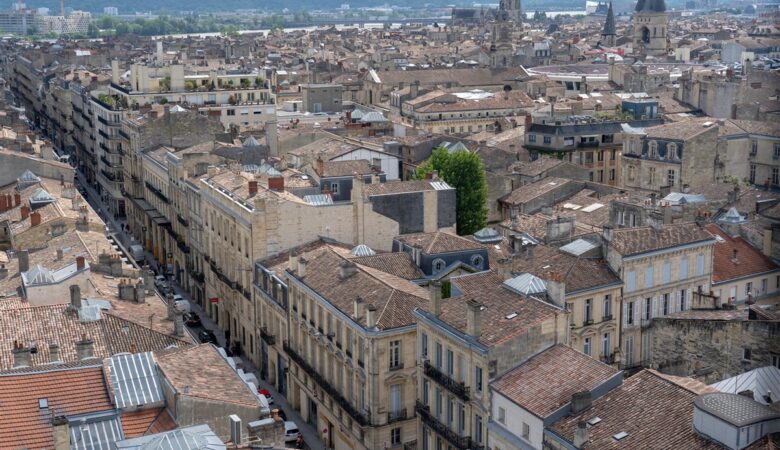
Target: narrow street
x=116, y=229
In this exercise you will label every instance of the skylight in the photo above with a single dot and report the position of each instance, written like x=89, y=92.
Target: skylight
x=620, y=435
x=511, y=316
x=594, y=421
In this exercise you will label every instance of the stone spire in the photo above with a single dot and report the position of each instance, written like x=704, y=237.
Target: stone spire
x=609, y=23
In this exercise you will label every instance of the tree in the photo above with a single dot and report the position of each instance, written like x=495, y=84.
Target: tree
x=465, y=172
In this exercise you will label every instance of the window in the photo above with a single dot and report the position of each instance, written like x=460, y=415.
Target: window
x=478, y=380
x=461, y=420
x=476, y=261
x=648, y=312
x=424, y=346
x=666, y=305
x=606, y=345
x=395, y=400
x=775, y=176
x=648, y=276
x=501, y=415
x=651, y=177
x=607, y=138
x=439, y=265
x=588, y=311
x=600, y=156
x=450, y=412
x=526, y=431
x=531, y=138
x=775, y=359
x=746, y=353
x=748, y=288
x=334, y=188
x=684, y=268
x=753, y=147
x=547, y=139
x=611, y=174
x=231, y=112
x=752, y=173
x=631, y=173
x=652, y=149
x=631, y=281
x=700, y=264
x=764, y=286
x=776, y=153
x=630, y=313
x=425, y=388
x=607, y=307
x=667, y=272
x=450, y=363
x=670, y=177
x=395, y=436
x=395, y=355
x=438, y=355
x=586, y=346
x=478, y=428
x=438, y=402
x=671, y=151
x=682, y=299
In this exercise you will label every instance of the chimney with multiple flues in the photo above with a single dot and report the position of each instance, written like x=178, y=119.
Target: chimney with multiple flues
x=434, y=288
x=21, y=354
x=75, y=296
x=473, y=317
x=370, y=316
x=85, y=348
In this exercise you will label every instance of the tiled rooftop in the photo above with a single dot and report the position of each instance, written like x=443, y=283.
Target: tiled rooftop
x=749, y=260
x=529, y=386
x=531, y=191
x=439, y=242
x=633, y=241
x=144, y=422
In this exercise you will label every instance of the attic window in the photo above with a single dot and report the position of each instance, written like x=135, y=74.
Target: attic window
x=511, y=316
x=594, y=421
x=619, y=436
x=43, y=403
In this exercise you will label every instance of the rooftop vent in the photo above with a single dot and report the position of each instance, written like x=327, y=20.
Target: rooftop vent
x=594, y=421
x=619, y=436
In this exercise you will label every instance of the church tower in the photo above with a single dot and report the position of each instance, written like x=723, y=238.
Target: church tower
x=608, y=34
x=650, y=22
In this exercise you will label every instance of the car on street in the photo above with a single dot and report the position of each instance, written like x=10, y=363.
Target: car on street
x=207, y=336
x=160, y=282
x=267, y=394
x=291, y=432
x=177, y=298
x=192, y=319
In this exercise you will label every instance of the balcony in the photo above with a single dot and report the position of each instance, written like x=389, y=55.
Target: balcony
x=589, y=144
x=111, y=164
x=456, y=387
x=109, y=123
x=459, y=442
x=357, y=416
x=411, y=445
x=269, y=338
x=397, y=416
x=606, y=318
x=158, y=193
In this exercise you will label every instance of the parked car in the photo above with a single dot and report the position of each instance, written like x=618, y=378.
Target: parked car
x=207, y=336
x=161, y=282
x=267, y=394
x=192, y=319
x=177, y=297
x=291, y=432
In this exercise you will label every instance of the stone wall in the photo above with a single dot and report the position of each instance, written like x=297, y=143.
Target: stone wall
x=14, y=164
x=712, y=350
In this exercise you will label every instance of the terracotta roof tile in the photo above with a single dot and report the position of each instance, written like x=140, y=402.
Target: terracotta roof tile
x=655, y=411
x=439, y=242
x=69, y=392
x=529, y=385
x=632, y=241
x=143, y=422
x=530, y=191
x=749, y=260
x=399, y=264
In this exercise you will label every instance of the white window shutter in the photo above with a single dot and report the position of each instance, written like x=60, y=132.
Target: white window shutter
x=625, y=313
x=654, y=310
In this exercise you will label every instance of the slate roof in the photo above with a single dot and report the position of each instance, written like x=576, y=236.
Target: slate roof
x=529, y=386
x=633, y=241
x=655, y=411
x=23, y=424
x=499, y=303
x=750, y=260
x=192, y=372
x=439, y=242
x=393, y=297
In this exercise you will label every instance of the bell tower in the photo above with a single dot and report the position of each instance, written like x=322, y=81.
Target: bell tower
x=650, y=23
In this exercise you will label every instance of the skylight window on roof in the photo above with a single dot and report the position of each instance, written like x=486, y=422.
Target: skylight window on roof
x=619, y=436
x=719, y=239
x=594, y=421
x=573, y=206
x=511, y=316
x=593, y=207
x=43, y=403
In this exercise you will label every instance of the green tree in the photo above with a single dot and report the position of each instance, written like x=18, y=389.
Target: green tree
x=465, y=172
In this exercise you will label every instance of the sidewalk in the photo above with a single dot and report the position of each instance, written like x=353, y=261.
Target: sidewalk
x=310, y=434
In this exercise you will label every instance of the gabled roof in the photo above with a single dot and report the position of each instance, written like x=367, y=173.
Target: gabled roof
x=71, y=392
x=634, y=241
x=749, y=260
x=439, y=242
x=134, y=380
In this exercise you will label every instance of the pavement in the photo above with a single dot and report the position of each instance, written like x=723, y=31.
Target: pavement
x=309, y=433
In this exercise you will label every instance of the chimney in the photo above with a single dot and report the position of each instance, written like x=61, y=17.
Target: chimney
x=17, y=199
x=357, y=308
x=59, y=254
x=606, y=232
x=414, y=89
x=4, y=206
x=178, y=323
x=653, y=198
x=370, y=316
x=252, y=188
x=60, y=432
x=473, y=318
x=25, y=212
x=54, y=353
x=293, y=261
x=85, y=348
x=21, y=355
x=75, y=296
x=434, y=288
x=272, y=138
x=115, y=71
x=302, y=267
x=320, y=165
x=347, y=269
x=580, y=401
x=556, y=289
x=581, y=435
x=35, y=219
x=276, y=184
x=3, y=271
x=234, y=421
x=667, y=215
x=24, y=261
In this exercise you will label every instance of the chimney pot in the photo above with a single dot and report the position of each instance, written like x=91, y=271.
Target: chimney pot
x=21, y=355
x=24, y=261
x=252, y=188
x=473, y=318
x=435, y=295
x=293, y=261
x=75, y=296
x=35, y=219
x=302, y=267
x=85, y=348
x=80, y=263
x=581, y=435
x=370, y=316
x=24, y=211
x=357, y=306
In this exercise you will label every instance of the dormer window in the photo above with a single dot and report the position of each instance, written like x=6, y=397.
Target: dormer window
x=671, y=151
x=652, y=149
x=438, y=265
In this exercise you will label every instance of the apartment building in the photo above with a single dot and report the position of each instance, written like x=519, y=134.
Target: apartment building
x=588, y=142
x=107, y=114
x=237, y=96
x=482, y=331
x=661, y=266
x=83, y=134
x=351, y=349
